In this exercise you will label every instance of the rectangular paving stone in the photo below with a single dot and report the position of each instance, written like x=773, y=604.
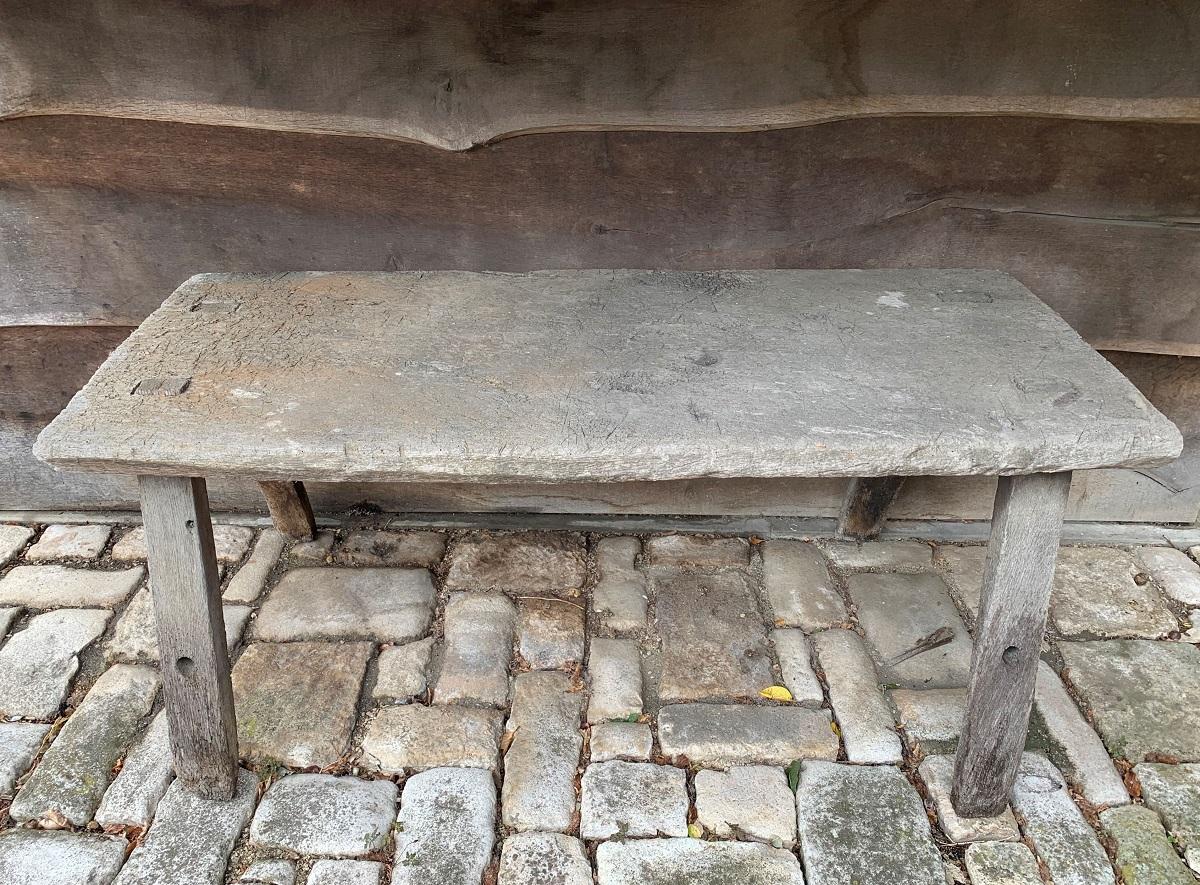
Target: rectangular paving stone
x=446, y=828
x=721, y=735
x=384, y=605
x=550, y=633
x=747, y=802
x=19, y=743
x=619, y=598
x=69, y=542
x=615, y=672
x=247, y=583
x=324, y=814
x=1052, y=821
x=962, y=568
x=477, y=651
x=296, y=702
x=191, y=838
x=41, y=857
x=937, y=773
x=1192, y=635
x=543, y=753
x=1145, y=856
x=76, y=769
x=862, y=714
x=620, y=740
x=864, y=824
x=1174, y=792
x=522, y=563
x=318, y=551
x=631, y=799
x=791, y=646
x=148, y=770
x=930, y=718
x=8, y=617
x=390, y=549
x=799, y=587
x=544, y=859
x=13, y=539
x=52, y=586
x=697, y=550
x=1002, y=863
x=346, y=872
x=1096, y=596
x=714, y=645
x=899, y=612
x=269, y=872
x=403, y=671
x=135, y=638
x=1090, y=769
x=1144, y=696
x=416, y=738
x=1174, y=571
x=230, y=541
x=38, y=663
x=655, y=861
x=890, y=556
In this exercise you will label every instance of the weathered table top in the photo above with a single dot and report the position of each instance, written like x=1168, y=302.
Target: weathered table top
x=605, y=375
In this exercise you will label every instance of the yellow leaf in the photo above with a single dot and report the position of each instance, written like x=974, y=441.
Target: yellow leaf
x=695, y=831
x=776, y=693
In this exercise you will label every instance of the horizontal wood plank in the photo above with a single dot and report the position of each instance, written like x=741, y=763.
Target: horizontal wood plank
x=606, y=375
x=100, y=218
x=456, y=74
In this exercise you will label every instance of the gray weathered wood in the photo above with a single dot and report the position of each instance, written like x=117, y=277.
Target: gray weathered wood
x=290, y=509
x=191, y=634
x=43, y=367
x=1019, y=570
x=865, y=507
x=455, y=74
x=607, y=375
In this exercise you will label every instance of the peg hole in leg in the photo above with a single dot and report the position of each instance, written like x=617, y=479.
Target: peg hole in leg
x=1011, y=655
x=191, y=524
x=185, y=666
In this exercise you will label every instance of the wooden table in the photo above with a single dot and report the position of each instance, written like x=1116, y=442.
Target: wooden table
x=608, y=375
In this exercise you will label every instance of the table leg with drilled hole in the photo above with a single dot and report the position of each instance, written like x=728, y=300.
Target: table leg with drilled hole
x=1019, y=571
x=191, y=633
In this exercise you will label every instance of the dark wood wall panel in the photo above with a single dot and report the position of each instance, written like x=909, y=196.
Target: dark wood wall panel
x=460, y=72
x=41, y=368
x=101, y=218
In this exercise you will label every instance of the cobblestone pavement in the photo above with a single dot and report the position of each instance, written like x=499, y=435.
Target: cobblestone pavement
x=554, y=708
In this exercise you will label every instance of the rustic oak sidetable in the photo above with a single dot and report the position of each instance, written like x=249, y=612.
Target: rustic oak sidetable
x=608, y=375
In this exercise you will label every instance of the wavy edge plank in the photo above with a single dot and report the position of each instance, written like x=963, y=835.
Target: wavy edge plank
x=458, y=74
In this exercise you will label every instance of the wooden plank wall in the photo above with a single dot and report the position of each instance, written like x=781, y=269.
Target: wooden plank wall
x=457, y=73
x=101, y=218
x=142, y=142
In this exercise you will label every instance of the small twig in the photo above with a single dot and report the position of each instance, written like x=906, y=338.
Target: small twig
x=554, y=598
x=936, y=639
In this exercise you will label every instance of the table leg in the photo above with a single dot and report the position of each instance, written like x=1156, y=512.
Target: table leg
x=1019, y=571
x=290, y=510
x=191, y=634
x=865, y=507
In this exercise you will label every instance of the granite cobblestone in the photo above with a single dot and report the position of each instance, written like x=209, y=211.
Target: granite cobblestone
x=544, y=707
